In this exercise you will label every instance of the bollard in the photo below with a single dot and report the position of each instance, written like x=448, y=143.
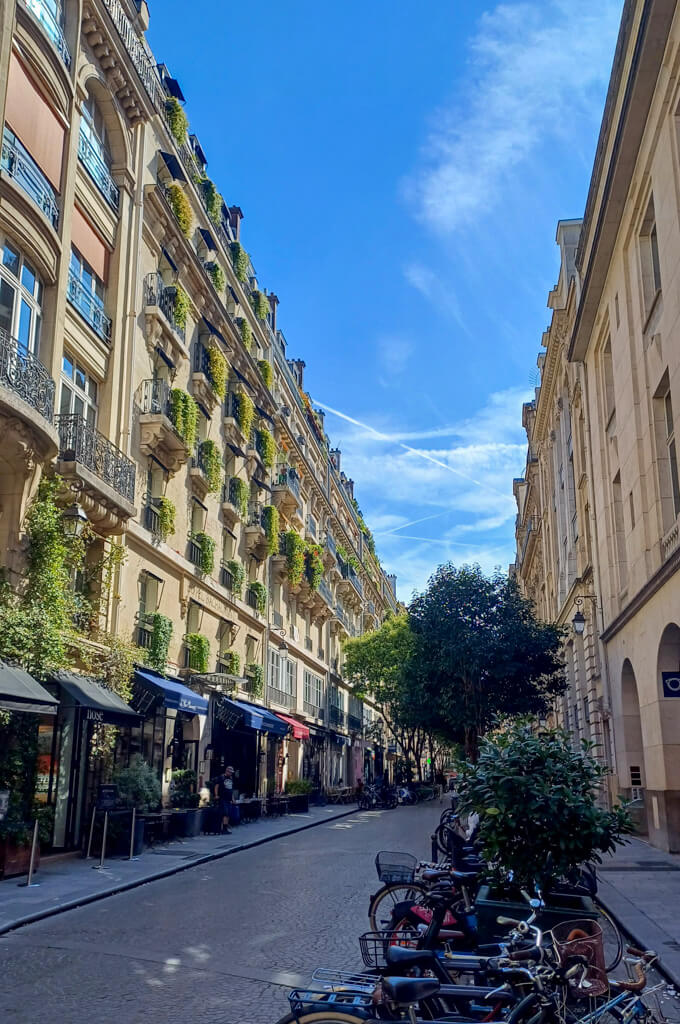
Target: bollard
x=30, y=884
x=434, y=850
x=132, y=834
x=98, y=867
x=89, y=842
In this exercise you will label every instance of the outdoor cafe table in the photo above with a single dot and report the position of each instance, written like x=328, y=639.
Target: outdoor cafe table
x=250, y=808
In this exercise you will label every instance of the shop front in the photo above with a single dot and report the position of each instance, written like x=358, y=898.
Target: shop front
x=298, y=736
x=69, y=770
x=314, y=758
x=339, y=763
x=242, y=735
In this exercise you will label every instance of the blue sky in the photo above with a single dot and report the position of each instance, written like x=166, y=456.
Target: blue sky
x=402, y=168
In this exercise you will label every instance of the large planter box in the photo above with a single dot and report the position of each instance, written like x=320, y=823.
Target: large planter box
x=121, y=845
x=187, y=823
x=298, y=803
x=15, y=860
x=559, y=907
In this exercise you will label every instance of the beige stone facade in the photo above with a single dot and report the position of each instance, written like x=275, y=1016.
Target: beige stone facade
x=620, y=383
x=110, y=313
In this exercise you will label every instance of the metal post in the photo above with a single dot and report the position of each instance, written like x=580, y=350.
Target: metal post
x=89, y=842
x=132, y=834
x=30, y=884
x=435, y=849
x=98, y=867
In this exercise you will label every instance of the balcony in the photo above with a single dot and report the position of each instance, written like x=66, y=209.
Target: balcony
x=354, y=723
x=27, y=408
x=152, y=520
x=90, y=307
x=340, y=622
x=226, y=578
x=96, y=167
x=256, y=541
x=251, y=599
x=281, y=697
x=194, y=553
x=311, y=528
x=350, y=586
x=230, y=422
x=232, y=507
x=286, y=490
x=159, y=314
x=157, y=435
x=144, y=632
x=20, y=166
x=330, y=551
x=202, y=379
x=51, y=27
x=312, y=710
x=326, y=593
x=336, y=717
x=670, y=540
x=102, y=474
x=26, y=377
x=140, y=58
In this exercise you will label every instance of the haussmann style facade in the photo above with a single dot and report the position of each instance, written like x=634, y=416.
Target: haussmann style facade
x=142, y=361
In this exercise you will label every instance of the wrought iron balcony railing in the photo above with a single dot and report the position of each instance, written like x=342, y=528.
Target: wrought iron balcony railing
x=22, y=168
x=89, y=306
x=311, y=526
x=95, y=165
x=50, y=26
x=342, y=615
x=312, y=710
x=354, y=723
x=349, y=574
x=255, y=513
x=281, y=697
x=251, y=598
x=194, y=552
x=26, y=376
x=226, y=578
x=152, y=519
x=142, y=61
x=325, y=591
x=144, y=632
x=156, y=397
x=231, y=493
x=331, y=545
x=157, y=293
x=285, y=476
x=336, y=716
x=80, y=442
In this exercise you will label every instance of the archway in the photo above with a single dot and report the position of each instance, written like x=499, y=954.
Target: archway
x=632, y=770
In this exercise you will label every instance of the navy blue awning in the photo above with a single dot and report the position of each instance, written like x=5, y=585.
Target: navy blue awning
x=259, y=718
x=213, y=330
x=173, y=165
x=243, y=379
x=210, y=242
x=175, y=694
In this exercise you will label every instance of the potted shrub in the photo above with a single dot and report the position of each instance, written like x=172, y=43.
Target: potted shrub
x=536, y=798
x=187, y=815
x=138, y=787
x=298, y=790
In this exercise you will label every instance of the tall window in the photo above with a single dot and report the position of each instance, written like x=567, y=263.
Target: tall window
x=90, y=284
x=672, y=453
x=20, y=299
x=93, y=128
x=78, y=391
x=649, y=258
x=313, y=691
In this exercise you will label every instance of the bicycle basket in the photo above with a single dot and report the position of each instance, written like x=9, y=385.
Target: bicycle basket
x=582, y=938
x=374, y=945
x=395, y=867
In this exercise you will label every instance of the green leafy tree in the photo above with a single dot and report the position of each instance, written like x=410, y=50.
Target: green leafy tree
x=537, y=801
x=482, y=653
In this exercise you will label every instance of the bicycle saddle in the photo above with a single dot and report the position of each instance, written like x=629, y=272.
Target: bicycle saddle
x=409, y=957
x=409, y=990
x=464, y=876
x=434, y=874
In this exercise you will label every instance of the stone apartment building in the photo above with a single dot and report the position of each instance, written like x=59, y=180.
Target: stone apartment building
x=141, y=358
x=611, y=387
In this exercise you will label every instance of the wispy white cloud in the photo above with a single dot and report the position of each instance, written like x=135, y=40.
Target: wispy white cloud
x=439, y=293
x=533, y=67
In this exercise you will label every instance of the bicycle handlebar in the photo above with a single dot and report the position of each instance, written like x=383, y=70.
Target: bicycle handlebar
x=633, y=986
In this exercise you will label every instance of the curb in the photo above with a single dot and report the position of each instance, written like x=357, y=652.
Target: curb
x=671, y=976
x=82, y=901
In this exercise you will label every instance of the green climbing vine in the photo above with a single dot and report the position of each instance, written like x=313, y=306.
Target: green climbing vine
x=217, y=276
x=232, y=662
x=218, y=370
x=177, y=119
x=161, y=633
x=180, y=307
x=241, y=493
x=211, y=457
x=184, y=415
x=255, y=673
x=246, y=335
x=181, y=207
x=245, y=413
x=166, y=517
x=314, y=565
x=260, y=304
x=295, y=557
x=270, y=522
x=266, y=371
x=266, y=447
x=239, y=261
x=238, y=575
x=212, y=199
x=206, y=545
x=199, y=651
x=260, y=592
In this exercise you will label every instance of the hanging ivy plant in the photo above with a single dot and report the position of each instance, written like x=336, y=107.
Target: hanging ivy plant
x=245, y=413
x=260, y=304
x=212, y=464
x=180, y=307
x=260, y=592
x=255, y=673
x=239, y=261
x=270, y=522
x=246, y=335
x=344, y=556
x=238, y=575
x=199, y=651
x=217, y=276
x=266, y=371
x=166, y=517
x=266, y=447
x=212, y=199
x=218, y=371
x=207, y=548
x=232, y=662
x=241, y=494
x=181, y=207
x=314, y=565
x=184, y=415
x=177, y=119
x=161, y=632
x=295, y=557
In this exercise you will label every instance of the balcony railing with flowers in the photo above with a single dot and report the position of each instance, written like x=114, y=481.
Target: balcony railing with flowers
x=157, y=293
x=89, y=306
x=96, y=167
x=26, y=376
x=22, y=168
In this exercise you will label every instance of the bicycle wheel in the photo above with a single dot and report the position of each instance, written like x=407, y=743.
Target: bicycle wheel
x=386, y=899
x=322, y=1017
x=613, y=940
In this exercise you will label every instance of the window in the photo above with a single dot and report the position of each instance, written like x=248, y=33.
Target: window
x=616, y=310
x=20, y=299
x=93, y=128
x=198, y=517
x=619, y=536
x=608, y=382
x=78, y=391
x=649, y=259
x=90, y=284
x=274, y=668
x=313, y=689
x=635, y=775
x=631, y=505
x=672, y=453
x=149, y=593
x=290, y=677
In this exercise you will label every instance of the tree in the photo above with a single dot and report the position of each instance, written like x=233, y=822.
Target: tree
x=384, y=664
x=482, y=653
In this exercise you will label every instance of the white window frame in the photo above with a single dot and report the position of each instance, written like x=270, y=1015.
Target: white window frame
x=86, y=395
x=25, y=298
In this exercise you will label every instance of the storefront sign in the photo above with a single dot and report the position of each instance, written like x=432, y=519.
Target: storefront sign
x=106, y=798
x=4, y=803
x=94, y=715
x=671, y=684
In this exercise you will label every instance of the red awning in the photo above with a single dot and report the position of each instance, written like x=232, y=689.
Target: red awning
x=300, y=731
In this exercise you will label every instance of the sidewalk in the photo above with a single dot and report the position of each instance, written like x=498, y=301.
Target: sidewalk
x=640, y=885
x=70, y=881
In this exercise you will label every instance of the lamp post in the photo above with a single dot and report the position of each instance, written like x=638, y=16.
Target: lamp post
x=73, y=519
x=579, y=620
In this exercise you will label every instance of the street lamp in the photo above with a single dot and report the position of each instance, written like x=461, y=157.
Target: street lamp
x=74, y=520
x=579, y=620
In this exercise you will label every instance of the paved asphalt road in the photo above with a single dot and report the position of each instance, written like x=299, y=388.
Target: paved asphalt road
x=214, y=943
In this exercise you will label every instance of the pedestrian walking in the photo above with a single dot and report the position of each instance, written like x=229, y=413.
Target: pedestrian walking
x=440, y=782
x=224, y=794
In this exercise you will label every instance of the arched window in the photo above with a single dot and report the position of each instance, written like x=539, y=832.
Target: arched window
x=20, y=299
x=94, y=150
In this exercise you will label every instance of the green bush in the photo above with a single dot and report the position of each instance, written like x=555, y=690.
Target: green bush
x=184, y=784
x=246, y=335
x=161, y=632
x=245, y=413
x=260, y=304
x=217, y=276
x=166, y=517
x=266, y=371
x=199, y=651
x=212, y=199
x=267, y=447
x=295, y=557
x=207, y=547
x=241, y=493
x=536, y=799
x=314, y=565
x=232, y=660
x=180, y=308
x=138, y=785
x=297, y=787
x=181, y=207
x=218, y=371
x=177, y=119
x=239, y=261
x=270, y=522
x=184, y=415
x=211, y=458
